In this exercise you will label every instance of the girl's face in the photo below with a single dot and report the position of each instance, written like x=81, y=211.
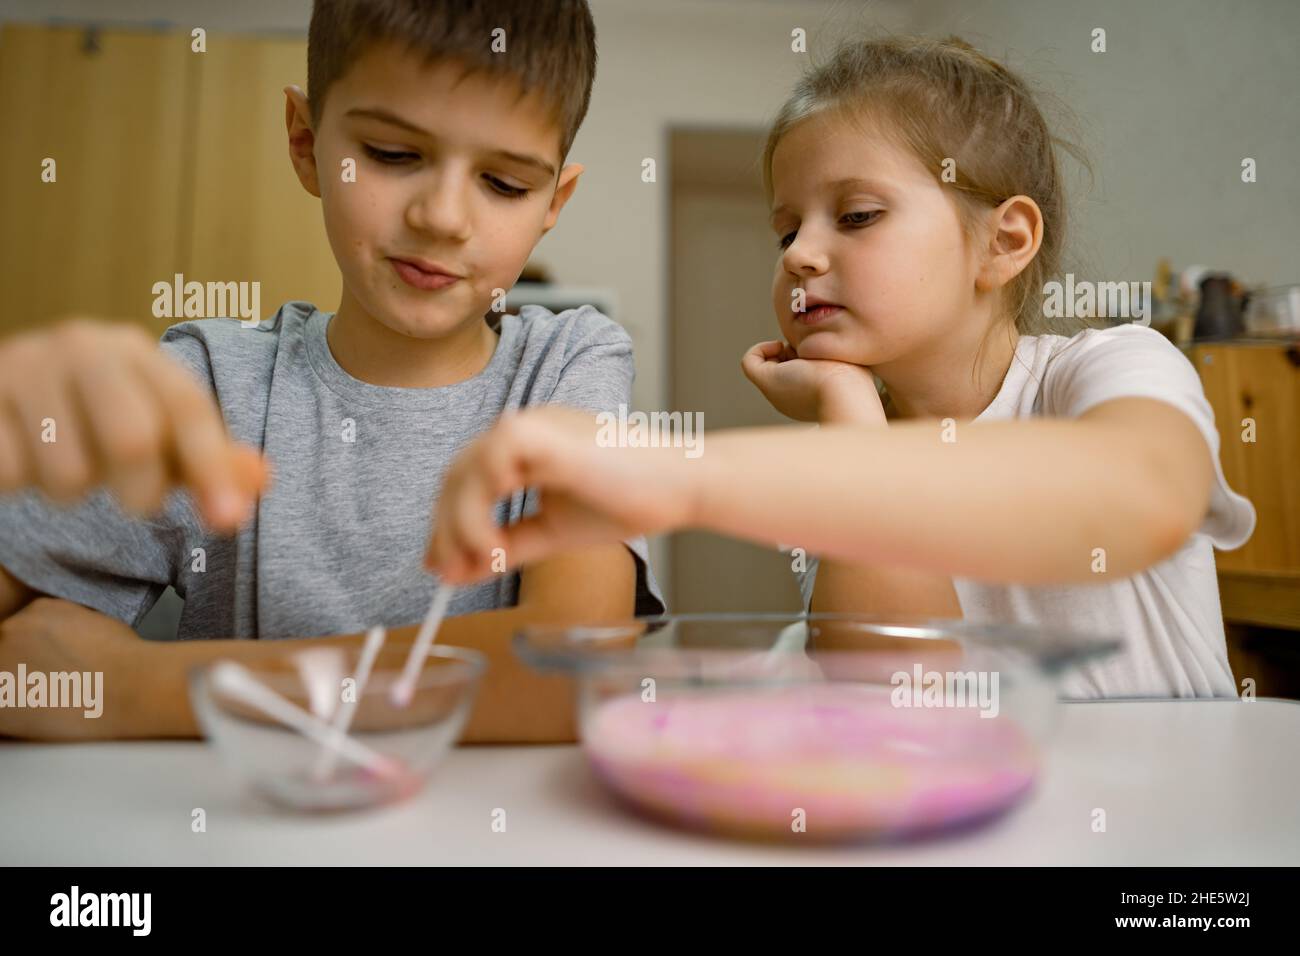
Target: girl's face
x=875, y=244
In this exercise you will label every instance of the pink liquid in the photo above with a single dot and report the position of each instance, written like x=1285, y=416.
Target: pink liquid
x=856, y=766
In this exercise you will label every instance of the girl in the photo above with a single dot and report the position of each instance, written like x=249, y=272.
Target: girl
x=1012, y=475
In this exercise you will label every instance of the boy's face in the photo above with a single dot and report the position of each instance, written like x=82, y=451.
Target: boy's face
x=866, y=227
x=456, y=181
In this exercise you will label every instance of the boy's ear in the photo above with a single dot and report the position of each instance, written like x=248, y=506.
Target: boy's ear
x=302, y=138
x=564, y=188
x=1015, y=235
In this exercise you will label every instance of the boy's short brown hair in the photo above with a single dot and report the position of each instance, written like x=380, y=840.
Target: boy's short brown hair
x=550, y=45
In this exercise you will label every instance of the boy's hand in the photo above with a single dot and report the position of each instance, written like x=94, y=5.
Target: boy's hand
x=590, y=494
x=88, y=403
x=51, y=636
x=813, y=390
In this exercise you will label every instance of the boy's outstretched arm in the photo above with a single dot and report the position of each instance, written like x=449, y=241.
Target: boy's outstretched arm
x=1036, y=502
x=145, y=682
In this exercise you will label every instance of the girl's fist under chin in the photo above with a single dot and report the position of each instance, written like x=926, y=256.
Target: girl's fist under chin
x=813, y=390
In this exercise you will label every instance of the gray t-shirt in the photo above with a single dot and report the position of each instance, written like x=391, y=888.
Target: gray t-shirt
x=336, y=545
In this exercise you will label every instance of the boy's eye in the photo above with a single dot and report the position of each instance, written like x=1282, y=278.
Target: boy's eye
x=388, y=156
x=786, y=240
x=861, y=218
x=505, y=189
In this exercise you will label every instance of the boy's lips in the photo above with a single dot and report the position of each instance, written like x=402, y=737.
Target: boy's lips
x=422, y=274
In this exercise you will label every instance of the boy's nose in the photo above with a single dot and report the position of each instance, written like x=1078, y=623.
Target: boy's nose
x=442, y=209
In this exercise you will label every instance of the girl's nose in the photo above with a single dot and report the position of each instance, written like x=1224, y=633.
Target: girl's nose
x=803, y=257
x=441, y=207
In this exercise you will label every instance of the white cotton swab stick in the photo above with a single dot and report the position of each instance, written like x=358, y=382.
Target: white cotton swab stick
x=236, y=680
x=329, y=756
x=404, y=688
x=322, y=673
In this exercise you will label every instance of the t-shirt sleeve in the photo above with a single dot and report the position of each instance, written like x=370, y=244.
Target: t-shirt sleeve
x=93, y=553
x=1136, y=361
x=597, y=377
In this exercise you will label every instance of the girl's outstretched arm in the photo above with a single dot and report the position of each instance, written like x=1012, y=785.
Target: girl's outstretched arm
x=1045, y=501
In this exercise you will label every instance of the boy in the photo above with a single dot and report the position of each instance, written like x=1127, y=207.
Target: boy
x=458, y=134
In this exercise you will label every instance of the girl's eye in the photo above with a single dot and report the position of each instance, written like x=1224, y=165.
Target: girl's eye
x=786, y=240
x=388, y=156
x=505, y=189
x=863, y=218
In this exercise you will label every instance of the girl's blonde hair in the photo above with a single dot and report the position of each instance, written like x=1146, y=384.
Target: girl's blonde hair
x=945, y=101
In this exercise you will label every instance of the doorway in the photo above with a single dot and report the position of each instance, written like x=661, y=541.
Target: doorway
x=721, y=256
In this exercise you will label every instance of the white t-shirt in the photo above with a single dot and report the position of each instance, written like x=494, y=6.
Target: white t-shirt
x=1169, y=615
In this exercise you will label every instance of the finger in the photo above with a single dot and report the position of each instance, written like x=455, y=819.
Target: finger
x=54, y=437
x=457, y=562
x=471, y=524
x=764, y=351
x=446, y=553
x=13, y=456
x=454, y=568
x=538, y=537
x=253, y=471
x=204, y=453
x=518, y=452
x=758, y=357
x=140, y=487
x=491, y=468
x=126, y=427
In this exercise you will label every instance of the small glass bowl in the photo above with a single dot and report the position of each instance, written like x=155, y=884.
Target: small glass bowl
x=295, y=771
x=826, y=727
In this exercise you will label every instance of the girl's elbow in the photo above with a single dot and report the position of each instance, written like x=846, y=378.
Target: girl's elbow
x=1168, y=533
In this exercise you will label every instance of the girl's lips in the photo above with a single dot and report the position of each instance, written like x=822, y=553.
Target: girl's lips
x=818, y=314
x=416, y=277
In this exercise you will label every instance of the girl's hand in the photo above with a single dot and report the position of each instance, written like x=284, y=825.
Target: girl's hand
x=813, y=390
x=591, y=494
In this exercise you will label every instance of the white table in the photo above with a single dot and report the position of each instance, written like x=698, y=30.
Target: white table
x=1182, y=782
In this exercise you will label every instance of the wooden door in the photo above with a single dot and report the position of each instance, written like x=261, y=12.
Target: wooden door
x=722, y=255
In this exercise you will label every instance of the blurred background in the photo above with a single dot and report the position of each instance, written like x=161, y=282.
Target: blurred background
x=171, y=162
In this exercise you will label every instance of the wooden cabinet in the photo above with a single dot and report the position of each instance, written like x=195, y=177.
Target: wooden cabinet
x=111, y=110
x=168, y=161
x=1259, y=382
x=251, y=218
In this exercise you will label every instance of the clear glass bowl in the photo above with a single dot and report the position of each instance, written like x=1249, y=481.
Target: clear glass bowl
x=296, y=771
x=823, y=727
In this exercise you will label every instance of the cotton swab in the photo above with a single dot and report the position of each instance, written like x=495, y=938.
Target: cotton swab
x=322, y=672
x=328, y=758
x=404, y=688
x=236, y=681
x=780, y=659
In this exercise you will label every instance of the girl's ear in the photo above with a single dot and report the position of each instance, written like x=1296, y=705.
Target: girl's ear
x=302, y=138
x=1015, y=235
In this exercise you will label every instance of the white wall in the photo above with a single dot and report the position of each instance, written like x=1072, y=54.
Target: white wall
x=1185, y=90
